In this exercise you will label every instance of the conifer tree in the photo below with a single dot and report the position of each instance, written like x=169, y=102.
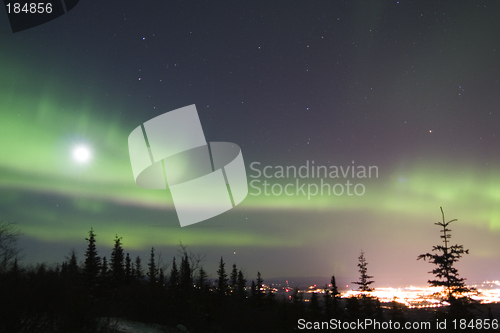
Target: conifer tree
x=241, y=284
x=128, y=268
x=222, y=278
x=234, y=278
x=139, y=274
x=444, y=258
x=174, y=277
x=70, y=269
x=117, y=262
x=173, y=283
x=364, y=279
x=336, y=297
x=259, y=286
x=202, y=279
x=185, y=275
x=92, y=260
x=368, y=303
x=152, y=271
x=73, y=264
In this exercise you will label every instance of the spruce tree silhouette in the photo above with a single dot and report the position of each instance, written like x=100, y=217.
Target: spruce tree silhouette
x=368, y=302
x=447, y=255
x=444, y=257
x=202, y=279
x=234, y=279
x=128, y=268
x=332, y=300
x=337, y=309
x=174, y=277
x=152, y=271
x=259, y=286
x=92, y=261
x=117, y=262
x=222, y=279
x=138, y=273
x=241, y=285
x=364, y=279
x=186, y=276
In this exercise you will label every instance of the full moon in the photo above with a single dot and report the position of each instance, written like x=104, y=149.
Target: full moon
x=81, y=154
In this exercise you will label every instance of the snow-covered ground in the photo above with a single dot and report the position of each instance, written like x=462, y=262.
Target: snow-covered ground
x=120, y=325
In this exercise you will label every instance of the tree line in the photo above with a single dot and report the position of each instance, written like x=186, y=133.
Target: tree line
x=77, y=297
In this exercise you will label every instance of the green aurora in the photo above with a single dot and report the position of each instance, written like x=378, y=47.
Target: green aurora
x=37, y=161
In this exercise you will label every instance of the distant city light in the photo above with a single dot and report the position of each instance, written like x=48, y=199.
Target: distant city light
x=412, y=297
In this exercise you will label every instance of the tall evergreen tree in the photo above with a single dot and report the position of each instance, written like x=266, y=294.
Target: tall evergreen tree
x=174, y=278
x=368, y=303
x=73, y=264
x=364, y=279
x=117, y=262
x=234, y=278
x=336, y=297
x=72, y=268
x=447, y=255
x=185, y=275
x=444, y=257
x=202, y=279
x=259, y=286
x=152, y=271
x=69, y=270
x=92, y=260
x=128, y=268
x=222, y=278
x=139, y=274
x=241, y=284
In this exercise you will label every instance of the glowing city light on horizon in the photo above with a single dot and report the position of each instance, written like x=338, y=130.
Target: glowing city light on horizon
x=418, y=297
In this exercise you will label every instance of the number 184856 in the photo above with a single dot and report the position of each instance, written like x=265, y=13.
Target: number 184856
x=478, y=324
x=29, y=8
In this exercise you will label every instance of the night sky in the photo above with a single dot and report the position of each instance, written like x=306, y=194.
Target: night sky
x=409, y=87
